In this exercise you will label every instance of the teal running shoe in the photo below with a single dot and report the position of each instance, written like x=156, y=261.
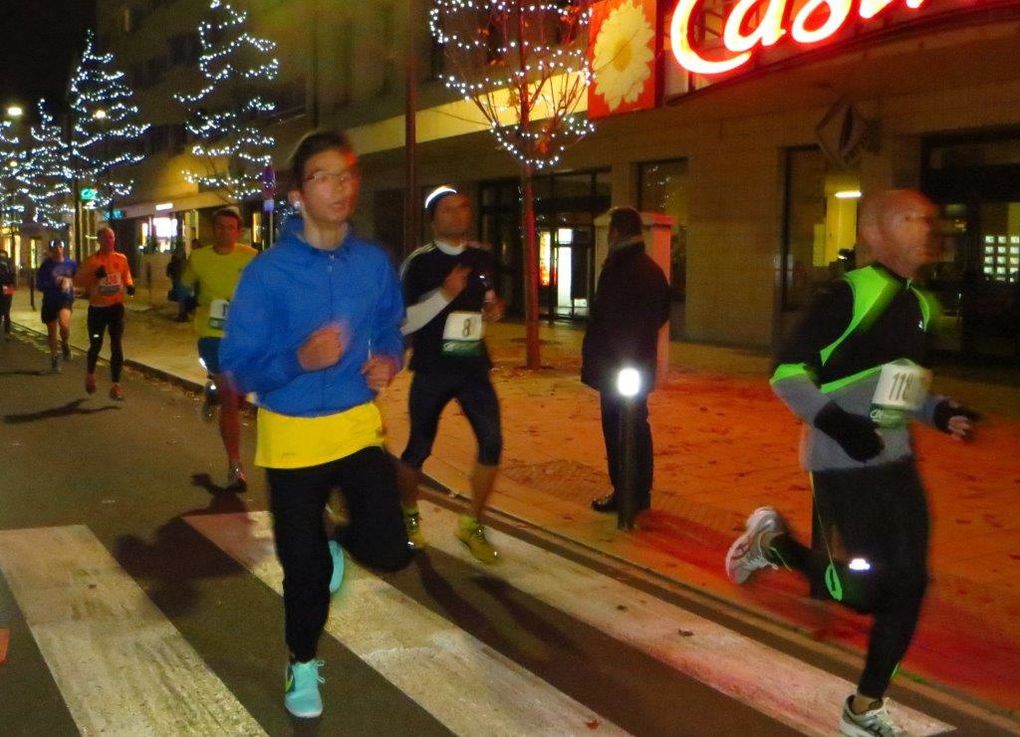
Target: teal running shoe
x=301, y=694
x=337, y=554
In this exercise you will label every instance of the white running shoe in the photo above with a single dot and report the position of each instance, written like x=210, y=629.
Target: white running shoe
x=746, y=554
x=872, y=723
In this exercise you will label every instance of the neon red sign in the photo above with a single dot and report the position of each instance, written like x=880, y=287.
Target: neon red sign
x=816, y=21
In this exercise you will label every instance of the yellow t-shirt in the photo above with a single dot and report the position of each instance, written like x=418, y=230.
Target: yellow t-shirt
x=216, y=276
x=283, y=441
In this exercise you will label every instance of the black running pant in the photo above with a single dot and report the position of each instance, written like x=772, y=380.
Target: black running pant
x=375, y=536
x=431, y=391
x=101, y=320
x=877, y=517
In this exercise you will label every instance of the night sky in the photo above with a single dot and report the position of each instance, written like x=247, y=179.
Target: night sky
x=40, y=39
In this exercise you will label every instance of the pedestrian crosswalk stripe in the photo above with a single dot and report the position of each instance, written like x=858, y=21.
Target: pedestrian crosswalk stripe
x=121, y=666
x=464, y=684
x=802, y=696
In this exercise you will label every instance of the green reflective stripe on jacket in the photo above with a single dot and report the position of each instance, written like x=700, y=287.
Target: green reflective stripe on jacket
x=832, y=386
x=792, y=370
x=873, y=289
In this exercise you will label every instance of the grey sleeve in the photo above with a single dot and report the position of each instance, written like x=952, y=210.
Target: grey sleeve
x=801, y=395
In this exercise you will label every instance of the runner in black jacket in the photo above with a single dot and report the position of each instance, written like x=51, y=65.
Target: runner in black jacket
x=853, y=372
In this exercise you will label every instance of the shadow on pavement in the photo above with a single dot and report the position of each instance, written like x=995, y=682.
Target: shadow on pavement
x=179, y=555
x=71, y=408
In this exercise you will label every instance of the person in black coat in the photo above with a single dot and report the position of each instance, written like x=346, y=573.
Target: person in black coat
x=631, y=303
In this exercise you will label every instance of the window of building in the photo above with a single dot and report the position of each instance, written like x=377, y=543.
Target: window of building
x=820, y=224
x=566, y=206
x=663, y=187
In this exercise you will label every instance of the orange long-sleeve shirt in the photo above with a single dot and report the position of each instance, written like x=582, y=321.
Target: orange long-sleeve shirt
x=109, y=289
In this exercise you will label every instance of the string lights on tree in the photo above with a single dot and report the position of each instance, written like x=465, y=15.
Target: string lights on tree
x=224, y=114
x=47, y=173
x=106, y=131
x=12, y=191
x=524, y=64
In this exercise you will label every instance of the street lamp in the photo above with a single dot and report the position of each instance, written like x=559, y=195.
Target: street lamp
x=628, y=386
x=14, y=111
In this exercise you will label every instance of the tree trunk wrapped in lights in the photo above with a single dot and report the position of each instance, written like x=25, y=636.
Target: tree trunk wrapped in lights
x=227, y=115
x=524, y=64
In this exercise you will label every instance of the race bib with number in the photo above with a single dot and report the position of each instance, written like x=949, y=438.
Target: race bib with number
x=218, y=313
x=902, y=389
x=462, y=335
x=109, y=284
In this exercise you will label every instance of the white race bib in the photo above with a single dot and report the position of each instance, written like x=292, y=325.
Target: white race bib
x=109, y=284
x=218, y=313
x=902, y=389
x=463, y=333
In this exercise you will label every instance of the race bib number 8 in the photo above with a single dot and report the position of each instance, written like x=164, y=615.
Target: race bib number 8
x=218, y=313
x=902, y=389
x=463, y=334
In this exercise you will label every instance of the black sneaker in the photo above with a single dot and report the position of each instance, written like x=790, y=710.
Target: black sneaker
x=873, y=723
x=54, y=365
x=65, y=350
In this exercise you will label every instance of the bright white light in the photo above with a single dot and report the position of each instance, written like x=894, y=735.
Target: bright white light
x=164, y=206
x=628, y=382
x=99, y=114
x=15, y=111
x=565, y=236
x=201, y=361
x=848, y=194
x=859, y=564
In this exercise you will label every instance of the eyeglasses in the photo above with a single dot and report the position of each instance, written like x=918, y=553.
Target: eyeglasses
x=322, y=178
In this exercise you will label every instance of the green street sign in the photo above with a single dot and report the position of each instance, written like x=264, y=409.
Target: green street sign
x=88, y=194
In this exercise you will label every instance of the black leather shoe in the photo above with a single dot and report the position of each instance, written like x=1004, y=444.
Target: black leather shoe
x=608, y=503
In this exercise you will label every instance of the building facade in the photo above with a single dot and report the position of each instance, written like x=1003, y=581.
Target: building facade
x=759, y=166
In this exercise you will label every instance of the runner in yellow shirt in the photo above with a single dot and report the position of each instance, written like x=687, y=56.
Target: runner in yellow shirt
x=213, y=274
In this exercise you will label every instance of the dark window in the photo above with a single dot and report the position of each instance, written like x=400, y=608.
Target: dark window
x=663, y=187
x=184, y=48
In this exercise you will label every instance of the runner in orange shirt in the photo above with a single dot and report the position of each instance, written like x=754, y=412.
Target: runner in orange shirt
x=105, y=278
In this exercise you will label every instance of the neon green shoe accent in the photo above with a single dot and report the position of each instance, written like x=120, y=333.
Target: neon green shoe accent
x=471, y=532
x=412, y=523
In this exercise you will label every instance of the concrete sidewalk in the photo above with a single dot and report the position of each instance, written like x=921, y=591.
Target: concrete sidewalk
x=723, y=446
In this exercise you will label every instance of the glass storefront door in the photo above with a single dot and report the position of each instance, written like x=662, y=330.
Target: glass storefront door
x=563, y=271
x=976, y=182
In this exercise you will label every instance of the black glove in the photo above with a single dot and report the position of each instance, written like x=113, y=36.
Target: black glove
x=101, y=272
x=855, y=434
x=949, y=408
x=131, y=290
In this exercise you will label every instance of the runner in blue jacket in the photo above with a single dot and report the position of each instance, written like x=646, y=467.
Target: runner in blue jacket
x=314, y=330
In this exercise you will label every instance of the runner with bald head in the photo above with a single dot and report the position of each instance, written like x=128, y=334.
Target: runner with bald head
x=106, y=279
x=853, y=372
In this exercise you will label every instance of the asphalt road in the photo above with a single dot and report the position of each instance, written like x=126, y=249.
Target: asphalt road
x=133, y=473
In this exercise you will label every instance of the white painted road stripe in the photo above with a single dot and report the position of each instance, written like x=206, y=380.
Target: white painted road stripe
x=466, y=685
x=797, y=694
x=121, y=666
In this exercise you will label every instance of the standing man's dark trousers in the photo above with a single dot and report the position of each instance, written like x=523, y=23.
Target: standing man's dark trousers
x=5, y=312
x=612, y=412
